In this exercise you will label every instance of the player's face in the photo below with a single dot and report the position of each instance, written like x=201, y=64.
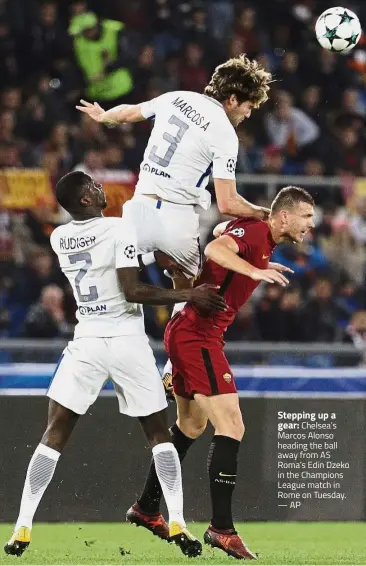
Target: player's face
x=238, y=112
x=297, y=222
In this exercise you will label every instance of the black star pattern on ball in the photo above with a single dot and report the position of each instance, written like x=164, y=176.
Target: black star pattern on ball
x=352, y=40
x=130, y=251
x=346, y=18
x=331, y=34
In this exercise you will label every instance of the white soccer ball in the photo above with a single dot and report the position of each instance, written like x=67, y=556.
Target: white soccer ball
x=338, y=29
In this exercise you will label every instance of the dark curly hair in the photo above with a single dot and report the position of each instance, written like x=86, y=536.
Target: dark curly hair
x=245, y=78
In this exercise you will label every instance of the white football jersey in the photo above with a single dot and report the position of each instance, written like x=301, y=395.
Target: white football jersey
x=192, y=137
x=90, y=252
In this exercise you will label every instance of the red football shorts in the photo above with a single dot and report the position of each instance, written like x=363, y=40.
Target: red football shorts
x=198, y=359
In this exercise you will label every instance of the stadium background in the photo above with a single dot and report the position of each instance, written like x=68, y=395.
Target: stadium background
x=310, y=133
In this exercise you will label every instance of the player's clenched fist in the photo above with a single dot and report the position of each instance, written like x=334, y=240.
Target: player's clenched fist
x=205, y=297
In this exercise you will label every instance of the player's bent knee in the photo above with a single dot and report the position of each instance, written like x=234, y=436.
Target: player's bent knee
x=232, y=426
x=192, y=428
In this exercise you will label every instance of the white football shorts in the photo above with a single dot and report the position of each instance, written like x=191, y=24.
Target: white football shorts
x=168, y=227
x=128, y=361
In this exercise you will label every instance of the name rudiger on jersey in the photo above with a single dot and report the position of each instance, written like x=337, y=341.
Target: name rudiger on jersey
x=67, y=244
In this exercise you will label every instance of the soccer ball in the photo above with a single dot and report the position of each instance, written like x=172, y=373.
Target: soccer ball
x=338, y=29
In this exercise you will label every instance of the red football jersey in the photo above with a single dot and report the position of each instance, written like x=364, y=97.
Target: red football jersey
x=255, y=246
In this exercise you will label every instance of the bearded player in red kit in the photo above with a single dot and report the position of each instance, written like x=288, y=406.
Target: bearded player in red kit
x=204, y=386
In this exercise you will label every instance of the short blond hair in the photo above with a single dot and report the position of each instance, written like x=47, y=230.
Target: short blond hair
x=244, y=78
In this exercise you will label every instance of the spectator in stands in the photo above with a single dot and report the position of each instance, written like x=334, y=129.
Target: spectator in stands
x=93, y=161
x=220, y=18
x=246, y=29
x=306, y=260
x=9, y=68
x=358, y=221
x=250, y=153
x=320, y=314
x=47, y=39
x=193, y=73
x=290, y=77
x=101, y=57
x=357, y=331
x=144, y=72
x=38, y=272
x=311, y=104
x=58, y=145
x=346, y=151
x=289, y=321
x=114, y=157
x=46, y=318
x=290, y=128
x=266, y=311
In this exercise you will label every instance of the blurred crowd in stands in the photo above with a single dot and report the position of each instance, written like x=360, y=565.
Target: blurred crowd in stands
x=54, y=53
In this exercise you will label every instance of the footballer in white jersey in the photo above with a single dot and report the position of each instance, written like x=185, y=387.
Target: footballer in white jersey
x=193, y=136
x=90, y=252
x=98, y=256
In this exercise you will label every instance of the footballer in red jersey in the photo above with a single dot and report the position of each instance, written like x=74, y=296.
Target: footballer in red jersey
x=237, y=261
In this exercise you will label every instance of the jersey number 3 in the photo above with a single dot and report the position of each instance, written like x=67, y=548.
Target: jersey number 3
x=84, y=257
x=172, y=140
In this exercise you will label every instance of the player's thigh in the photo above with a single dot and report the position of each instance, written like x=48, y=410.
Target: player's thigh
x=199, y=366
x=144, y=220
x=80, y=374
x=179, y=237
x=191, y=418
x=136, y=378
x=224, y=413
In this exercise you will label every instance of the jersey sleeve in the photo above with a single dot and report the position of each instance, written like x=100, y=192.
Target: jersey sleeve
x=149, y=108
x=225, y=152
x=248, y=238
x=125, y=245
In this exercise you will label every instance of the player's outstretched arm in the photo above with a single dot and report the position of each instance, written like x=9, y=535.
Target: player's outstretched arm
x=224, y=251
x=117, y=115
x=204, y=297
x=231, y=203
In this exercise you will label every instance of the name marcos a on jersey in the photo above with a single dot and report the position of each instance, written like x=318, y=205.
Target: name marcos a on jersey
x=191, y=113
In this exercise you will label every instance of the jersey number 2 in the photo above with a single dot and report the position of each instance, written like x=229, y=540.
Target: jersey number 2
x=86, y=258
x=172, y=140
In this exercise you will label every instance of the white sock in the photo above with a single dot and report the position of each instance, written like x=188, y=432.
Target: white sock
x=39, y=474
x=168, y=470
x=168, y=366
